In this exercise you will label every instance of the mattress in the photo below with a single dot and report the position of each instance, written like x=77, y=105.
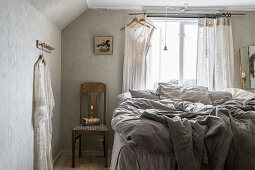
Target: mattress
x=128, y=156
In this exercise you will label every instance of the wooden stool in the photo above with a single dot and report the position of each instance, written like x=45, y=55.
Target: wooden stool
x=93, y=89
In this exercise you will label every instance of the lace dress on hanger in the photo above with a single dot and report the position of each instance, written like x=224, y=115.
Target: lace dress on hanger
x=137, y=44
x=44, y=104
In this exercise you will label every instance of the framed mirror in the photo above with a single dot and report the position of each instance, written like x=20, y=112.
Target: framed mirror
x=247, y=58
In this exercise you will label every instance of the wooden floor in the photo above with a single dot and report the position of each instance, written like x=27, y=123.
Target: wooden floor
x=83, y=163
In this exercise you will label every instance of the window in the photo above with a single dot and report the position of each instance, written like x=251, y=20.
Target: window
x=177, y=65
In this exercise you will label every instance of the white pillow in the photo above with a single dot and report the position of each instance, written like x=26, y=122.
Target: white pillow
x=239, y=93
x=192, y=94
x=123, y=96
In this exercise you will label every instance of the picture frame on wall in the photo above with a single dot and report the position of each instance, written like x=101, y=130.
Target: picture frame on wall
x=104, y=45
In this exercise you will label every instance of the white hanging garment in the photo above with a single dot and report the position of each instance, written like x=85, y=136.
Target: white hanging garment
x=137, y=44
x=43, y=106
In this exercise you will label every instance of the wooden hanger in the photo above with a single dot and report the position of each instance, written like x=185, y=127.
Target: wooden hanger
x=133, y=21
x=42, y=58
x=144, y=20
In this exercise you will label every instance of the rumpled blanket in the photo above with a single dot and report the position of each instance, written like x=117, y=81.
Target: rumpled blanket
x=201, y=136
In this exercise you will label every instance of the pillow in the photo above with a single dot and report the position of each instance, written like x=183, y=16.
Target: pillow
x=192, y=94
x=123, y=96
x=147, y=94
x=220, y=96
x=239, y=93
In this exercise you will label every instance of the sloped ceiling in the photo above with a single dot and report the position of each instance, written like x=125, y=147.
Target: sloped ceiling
x=60, y=12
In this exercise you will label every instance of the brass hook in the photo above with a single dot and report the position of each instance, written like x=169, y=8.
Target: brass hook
x=42, y=56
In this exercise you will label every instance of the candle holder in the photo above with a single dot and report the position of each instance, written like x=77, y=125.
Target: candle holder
x=91, y=120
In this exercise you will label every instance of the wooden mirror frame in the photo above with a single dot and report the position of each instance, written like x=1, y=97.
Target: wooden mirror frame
x=251, y=62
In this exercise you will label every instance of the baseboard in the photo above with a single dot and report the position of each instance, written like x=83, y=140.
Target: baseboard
x=91, y=153
x=55, y=160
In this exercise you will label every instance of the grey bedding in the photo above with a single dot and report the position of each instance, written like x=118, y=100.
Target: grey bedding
x=200, y=136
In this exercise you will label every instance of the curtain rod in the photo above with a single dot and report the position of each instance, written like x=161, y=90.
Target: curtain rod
x=186, y=15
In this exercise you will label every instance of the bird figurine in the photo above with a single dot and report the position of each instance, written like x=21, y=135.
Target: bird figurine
x=104, y=47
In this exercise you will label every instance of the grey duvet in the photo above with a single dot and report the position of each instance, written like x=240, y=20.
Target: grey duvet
x=200, y=136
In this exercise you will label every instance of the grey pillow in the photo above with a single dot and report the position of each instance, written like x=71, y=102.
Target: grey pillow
x=219, y=97
x=147, y=94
x=192, y=94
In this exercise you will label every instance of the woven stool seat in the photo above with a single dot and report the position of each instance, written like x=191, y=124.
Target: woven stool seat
x=96, y=127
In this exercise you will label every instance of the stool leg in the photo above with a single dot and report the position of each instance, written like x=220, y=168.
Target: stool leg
x=104, y=146
x=73, y=149
x=106, y=149
x=80, y=146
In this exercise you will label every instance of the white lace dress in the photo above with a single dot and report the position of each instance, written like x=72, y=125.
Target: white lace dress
x=137, y=44
x=43, y=106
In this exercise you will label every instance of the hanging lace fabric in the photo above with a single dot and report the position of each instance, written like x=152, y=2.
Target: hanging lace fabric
x=43, y=106
x=137, y=45
x=215, y=56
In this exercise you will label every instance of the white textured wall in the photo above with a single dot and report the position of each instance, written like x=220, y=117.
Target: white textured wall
x=20, y=26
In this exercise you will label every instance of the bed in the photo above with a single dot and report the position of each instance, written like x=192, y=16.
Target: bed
x=169, y=133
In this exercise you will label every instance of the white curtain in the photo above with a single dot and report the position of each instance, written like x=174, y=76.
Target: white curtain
x=215, y=60
x=137, y=45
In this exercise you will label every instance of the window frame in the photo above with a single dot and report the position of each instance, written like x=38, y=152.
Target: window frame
x=182, y=23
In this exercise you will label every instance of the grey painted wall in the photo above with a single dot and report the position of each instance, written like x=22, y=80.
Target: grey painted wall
x=243, y=36
x=20, y=26
x=79, y=64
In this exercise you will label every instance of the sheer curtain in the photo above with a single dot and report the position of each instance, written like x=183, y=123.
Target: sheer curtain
x=215, y=57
